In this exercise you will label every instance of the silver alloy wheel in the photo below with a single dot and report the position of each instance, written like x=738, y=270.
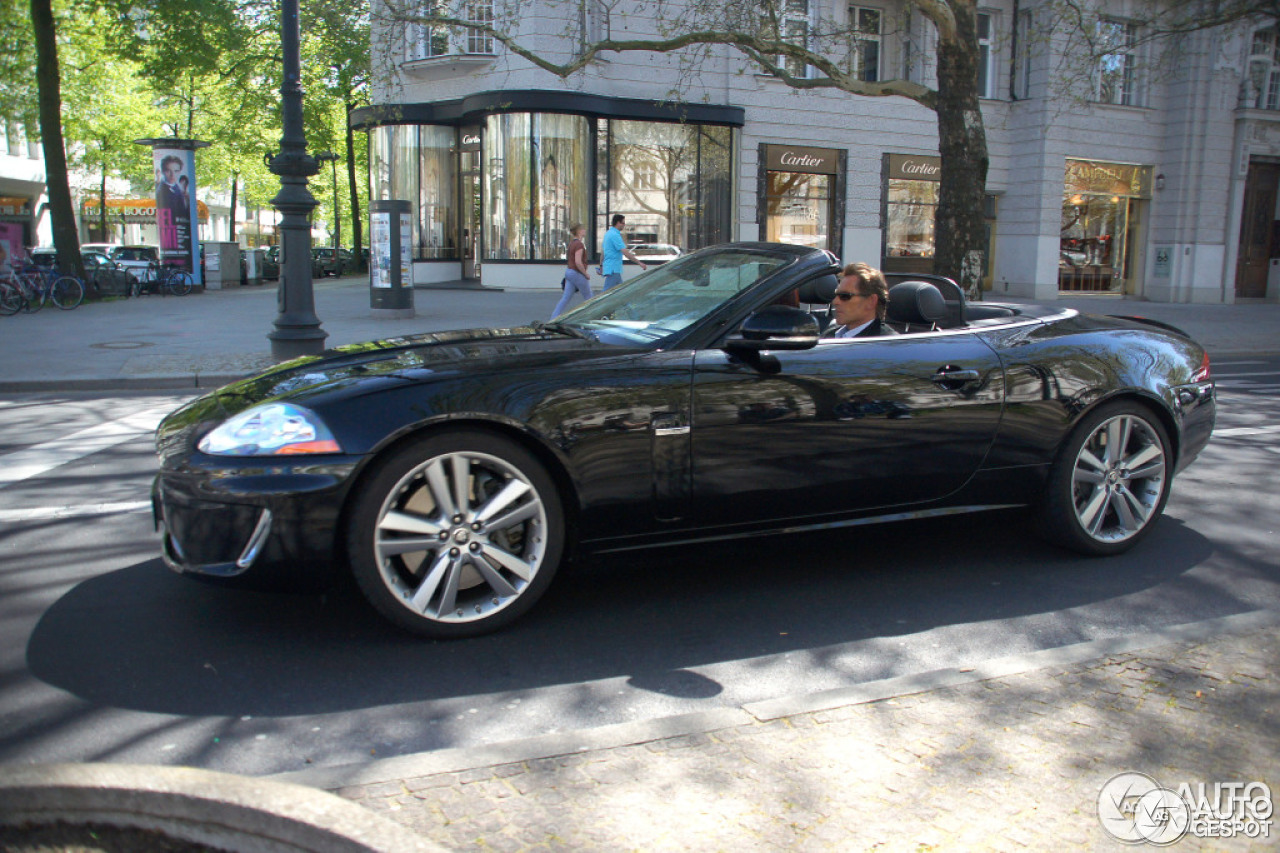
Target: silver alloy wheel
x=460, y=537
x=1118, y=478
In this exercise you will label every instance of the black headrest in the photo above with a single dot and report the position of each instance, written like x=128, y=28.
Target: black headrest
x=916, y=302
x=820, y=290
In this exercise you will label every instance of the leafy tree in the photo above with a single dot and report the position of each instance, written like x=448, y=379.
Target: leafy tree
x=813, y=59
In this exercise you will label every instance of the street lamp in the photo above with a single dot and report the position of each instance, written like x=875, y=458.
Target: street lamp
x=297, y=329
x=330, y=157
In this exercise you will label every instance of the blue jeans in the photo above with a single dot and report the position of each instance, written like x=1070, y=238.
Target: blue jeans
x=613, y=279
x=573, y=281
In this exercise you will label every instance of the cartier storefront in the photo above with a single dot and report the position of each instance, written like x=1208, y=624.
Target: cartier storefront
x=801, y=195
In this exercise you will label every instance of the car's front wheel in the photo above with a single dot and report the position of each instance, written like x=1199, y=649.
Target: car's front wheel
x=1110, y=481
x=456, y=534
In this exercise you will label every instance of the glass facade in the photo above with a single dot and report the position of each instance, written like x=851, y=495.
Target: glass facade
x=671, y=181
x=541, y=173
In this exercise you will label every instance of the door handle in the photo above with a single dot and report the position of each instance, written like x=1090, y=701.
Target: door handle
x=953, y=378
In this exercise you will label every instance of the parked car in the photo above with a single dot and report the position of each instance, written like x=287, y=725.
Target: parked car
x=140, y=261
x=108, y=249
x=655, y=253
x=452, y=473
x=325, y=261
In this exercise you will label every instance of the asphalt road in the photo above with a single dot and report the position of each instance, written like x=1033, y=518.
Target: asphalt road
x=106, y=656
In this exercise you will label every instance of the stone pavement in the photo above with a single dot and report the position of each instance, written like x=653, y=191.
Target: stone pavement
x=1010, y=762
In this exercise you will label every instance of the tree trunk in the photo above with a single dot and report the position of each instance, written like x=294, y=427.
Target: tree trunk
x=356, y=233
x=49, y=81
x=960, y=239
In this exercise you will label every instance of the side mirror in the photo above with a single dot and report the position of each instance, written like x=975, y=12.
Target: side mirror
x=777, y=327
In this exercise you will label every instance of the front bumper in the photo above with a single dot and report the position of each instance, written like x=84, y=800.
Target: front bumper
x=262, y=527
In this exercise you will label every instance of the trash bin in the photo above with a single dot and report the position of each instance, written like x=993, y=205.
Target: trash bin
x=221, y=265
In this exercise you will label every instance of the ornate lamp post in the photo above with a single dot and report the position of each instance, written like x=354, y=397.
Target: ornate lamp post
x=297, y=329
x=332, y=159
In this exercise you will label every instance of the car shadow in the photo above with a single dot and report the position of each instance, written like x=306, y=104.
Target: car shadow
x=143, y=638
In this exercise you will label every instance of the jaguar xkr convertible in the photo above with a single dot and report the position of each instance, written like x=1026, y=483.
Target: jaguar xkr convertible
x=453, y=473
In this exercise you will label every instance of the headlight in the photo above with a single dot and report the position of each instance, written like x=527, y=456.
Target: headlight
x=273, y=429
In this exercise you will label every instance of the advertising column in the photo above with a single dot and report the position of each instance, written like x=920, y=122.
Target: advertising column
x=176, y=216
x=390, y=259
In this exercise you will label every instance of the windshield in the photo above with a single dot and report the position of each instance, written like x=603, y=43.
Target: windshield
x=665, y=300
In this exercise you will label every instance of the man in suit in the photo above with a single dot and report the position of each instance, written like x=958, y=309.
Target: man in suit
x=860, y=302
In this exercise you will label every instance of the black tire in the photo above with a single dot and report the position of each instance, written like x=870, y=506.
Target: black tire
x=67, y=292
x=447, y=571
x=180, y=283
x=11, y=299
x=33, y=290
x=1109, y=482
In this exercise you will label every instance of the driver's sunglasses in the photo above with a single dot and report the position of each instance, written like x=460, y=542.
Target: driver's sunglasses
x=845, y=295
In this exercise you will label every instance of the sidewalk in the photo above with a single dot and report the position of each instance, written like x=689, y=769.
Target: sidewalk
x=1011, y=756
x=207, y=339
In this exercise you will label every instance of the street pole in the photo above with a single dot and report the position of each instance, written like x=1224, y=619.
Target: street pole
x=297, y=329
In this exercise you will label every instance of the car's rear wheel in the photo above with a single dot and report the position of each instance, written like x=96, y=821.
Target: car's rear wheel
x=456, y=534
x=1110, y=481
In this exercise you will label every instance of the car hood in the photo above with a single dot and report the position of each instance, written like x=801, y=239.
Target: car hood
x=358, y=369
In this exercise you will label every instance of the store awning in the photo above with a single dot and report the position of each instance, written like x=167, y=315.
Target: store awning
x=140, y=210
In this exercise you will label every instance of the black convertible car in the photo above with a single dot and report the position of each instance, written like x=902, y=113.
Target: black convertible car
x=452, y=473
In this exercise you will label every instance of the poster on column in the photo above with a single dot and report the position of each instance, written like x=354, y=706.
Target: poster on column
x=176, y=206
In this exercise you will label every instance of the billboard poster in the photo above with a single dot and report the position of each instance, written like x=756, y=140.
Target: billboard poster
x=176, y=208
x=12, y=252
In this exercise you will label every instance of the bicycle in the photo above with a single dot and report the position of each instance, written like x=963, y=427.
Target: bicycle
x=39, y=285
x=162, y=279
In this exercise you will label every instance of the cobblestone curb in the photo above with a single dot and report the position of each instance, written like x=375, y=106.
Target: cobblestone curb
x=1007, y=763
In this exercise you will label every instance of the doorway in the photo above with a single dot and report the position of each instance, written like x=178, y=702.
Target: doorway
x=471, y=201
x=1258, y=231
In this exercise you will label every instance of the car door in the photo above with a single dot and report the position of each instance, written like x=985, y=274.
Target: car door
x=847, y=426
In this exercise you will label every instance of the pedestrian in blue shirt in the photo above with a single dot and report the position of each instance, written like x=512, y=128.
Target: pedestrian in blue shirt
x=614, y=250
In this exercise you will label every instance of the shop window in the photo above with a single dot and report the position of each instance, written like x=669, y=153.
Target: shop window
x=1100, y=204
x=671, y=181
x=538, y=184
x=1117, y=69
x=436, y=237
x=911, y=208
x=867, y=33
x=798, y=208
x=1263, y=81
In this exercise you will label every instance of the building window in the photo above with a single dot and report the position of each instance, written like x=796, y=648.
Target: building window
x=1023, y=35
x=423, y=41
x=479, y=41
x=1118, y=64
x=417, y=164
x=794, y=29
x=671, y=181
x=1100, y=204
x=867, y=31
x=1263, y=81
x=986, y=57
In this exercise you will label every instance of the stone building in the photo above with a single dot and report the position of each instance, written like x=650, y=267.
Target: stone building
x=1149, y=170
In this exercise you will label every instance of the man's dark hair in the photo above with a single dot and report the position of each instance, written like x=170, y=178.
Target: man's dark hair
x=618, y=219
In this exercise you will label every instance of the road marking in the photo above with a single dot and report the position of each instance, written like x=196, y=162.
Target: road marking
x=37, y=459
x=47, y=513
x=1237, y=431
